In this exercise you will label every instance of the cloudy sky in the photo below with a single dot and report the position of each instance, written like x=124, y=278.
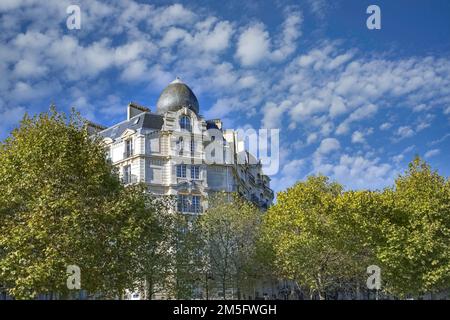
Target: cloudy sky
x=352, y=103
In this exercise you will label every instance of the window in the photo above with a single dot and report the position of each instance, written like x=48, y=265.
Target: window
x=127, y=174
x=156, y=162
x=186, y=203
x=182, y=203
x=181, y=171
x=195, y=172
x=128, y=148
x=108, y=153
x=192, y=146
x=195, y=204
x=185, y=123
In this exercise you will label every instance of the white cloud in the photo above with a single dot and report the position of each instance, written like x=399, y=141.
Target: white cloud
x=440, y=140
x=29, y=68
x=328, y=145
x=291, y=32
x=6, y=5
x=432, y=153
x=253, y=45
x=319, y=91
x=223, y=107
x=421, y=107
x=359, y=87
x=318, y=8
x=9, y=117
x=247, y=81
x=409, y=149
x=273, y=114
x=361, y=113
x=290, y=173
x=357, y=172
x=211, y=36
x=385, y=126
x=358, y=137
x=447, y=110
x=218, y=38
x=404, y=132
x=398, y=158
x=312, y=137
x=422, y=125
x=338, y=107
x=175, y=14
x=25, y=91
x=136, y=71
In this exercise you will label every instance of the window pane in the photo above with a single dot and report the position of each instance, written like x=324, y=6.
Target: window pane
x=127, y=174
x=185, y=123
x=196, y=204
x=180, y=203
x=195, y=172
x=181, y=171
x=128, y=149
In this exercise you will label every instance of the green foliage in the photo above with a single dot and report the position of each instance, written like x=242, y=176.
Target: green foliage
x=62, y=204
x=324, y=238
x=416, y=251
x=300, y=230
x=229, y=231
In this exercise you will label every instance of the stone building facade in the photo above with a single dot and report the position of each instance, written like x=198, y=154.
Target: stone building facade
x=175, y=151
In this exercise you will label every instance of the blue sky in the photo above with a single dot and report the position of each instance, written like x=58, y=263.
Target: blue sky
x=352, y=103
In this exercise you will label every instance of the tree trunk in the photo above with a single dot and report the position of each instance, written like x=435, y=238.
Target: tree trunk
x=224, y=288
x=149, y=288
x=358, y=291
x=320, y=287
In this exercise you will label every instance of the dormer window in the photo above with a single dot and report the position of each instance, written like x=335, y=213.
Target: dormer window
x=185, y=123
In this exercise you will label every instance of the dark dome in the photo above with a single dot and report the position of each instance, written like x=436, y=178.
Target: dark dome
x=175, y=96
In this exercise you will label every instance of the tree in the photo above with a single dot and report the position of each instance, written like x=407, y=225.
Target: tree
x=301, y=232
x=188, y=257
x=229, y=230
x=415, y=256
x=61, y=203
x=132, y=247
x=324, y=239
x=358, y=217
x=154, y=257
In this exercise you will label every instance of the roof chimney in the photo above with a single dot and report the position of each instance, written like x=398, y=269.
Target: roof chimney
x=134, y=109
x=93, y=128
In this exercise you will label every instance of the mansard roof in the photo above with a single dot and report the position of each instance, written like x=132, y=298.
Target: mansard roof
x=145, y=120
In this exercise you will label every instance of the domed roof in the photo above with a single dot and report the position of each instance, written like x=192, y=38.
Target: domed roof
x=175, y=96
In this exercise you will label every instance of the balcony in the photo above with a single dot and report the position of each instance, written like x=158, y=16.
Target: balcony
x=128, y=154
x=130, y=179
x=189, y=209
x=189, y=204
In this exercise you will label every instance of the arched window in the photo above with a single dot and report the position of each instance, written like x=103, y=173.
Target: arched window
x=185, y=123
